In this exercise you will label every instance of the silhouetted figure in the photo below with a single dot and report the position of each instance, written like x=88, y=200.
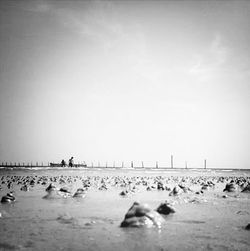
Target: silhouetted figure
x=63, y=163
x=71, y=162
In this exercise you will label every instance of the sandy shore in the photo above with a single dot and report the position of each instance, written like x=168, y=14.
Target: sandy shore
x=205, y=218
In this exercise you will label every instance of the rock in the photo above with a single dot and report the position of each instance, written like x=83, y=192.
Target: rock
x=8, y=198
x=230, y=187
x=24, y=188
x=140, y=215
x=64, y=190
x=204, y=187
x=124, y=193
x=176, y=191
x=51, y=188
x=80, y=193
x=184, y=188
x=32, y=183
x=165, y=208
x=246, y=189
x=247, y=226
x=160, y=186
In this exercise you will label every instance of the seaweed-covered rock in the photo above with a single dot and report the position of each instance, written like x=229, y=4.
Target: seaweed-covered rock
x=165, y=208
x=140, y=215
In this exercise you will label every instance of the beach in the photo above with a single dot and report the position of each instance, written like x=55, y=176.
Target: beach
x=207, y=220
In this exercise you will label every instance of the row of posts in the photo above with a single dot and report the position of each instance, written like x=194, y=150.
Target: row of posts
x=6, y=164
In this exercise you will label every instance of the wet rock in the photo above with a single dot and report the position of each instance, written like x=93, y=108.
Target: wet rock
x=80, y=193
x=64, y=190
x=205, y=187
x=176, y=191
x=184, y=188
x=246, y=189
x=32, y=183
x=247, y=226
x=230, y=187
x=24, y=188
x=124, y=193
x=103, y=187
x=140, y=215
x=160, y=186
x=51, y=187
x=165, y=208
x=8, y=198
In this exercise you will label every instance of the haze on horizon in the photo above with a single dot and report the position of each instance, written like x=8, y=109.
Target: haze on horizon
x=125, y=80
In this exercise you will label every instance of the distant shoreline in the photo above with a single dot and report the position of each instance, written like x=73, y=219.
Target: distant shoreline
x=120, y=168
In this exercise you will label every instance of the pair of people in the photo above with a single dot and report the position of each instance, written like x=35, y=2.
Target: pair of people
x=71, y=162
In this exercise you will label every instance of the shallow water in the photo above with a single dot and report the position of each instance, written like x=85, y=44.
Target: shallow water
x=201, y=222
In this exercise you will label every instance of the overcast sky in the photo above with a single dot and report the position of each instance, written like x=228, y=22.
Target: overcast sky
x=125, y=80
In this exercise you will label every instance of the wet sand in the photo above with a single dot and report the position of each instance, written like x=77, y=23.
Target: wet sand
x=207, y=220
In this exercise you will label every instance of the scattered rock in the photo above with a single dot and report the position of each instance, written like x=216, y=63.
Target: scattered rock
x=230, y=187
x=246, y=189
x=140, y=215
x=80, y=193
x=51, y=188
x=165, y=208
x=176, y=191
x=8, y=198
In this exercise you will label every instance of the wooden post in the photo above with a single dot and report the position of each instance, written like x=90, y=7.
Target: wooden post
x=106, y=164
x=122, y=164
x=156, y=165
x=172, y=161
x=142, y=164
x=98, y=164
x=92, y=165
x=186, y=165
x=132, y=164
x=114, y=164
x=205, y=164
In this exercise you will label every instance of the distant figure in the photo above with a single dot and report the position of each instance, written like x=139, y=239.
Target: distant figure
x=71, y=162
x=63, y=163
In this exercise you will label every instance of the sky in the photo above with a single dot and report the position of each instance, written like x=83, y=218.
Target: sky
x=125, y=81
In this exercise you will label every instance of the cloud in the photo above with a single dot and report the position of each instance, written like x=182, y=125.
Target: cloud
x=206, y=65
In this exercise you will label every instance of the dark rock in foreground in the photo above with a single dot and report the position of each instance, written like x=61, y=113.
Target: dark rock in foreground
x=140, y=215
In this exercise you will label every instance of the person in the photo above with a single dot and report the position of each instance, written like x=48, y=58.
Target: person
x=71, y=162
x=63, y=163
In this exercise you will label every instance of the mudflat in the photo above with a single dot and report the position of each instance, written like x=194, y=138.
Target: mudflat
x=84, y=209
